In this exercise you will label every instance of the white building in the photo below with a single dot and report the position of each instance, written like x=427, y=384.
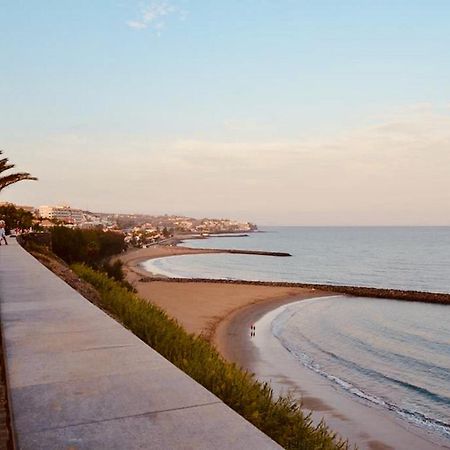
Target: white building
x=62, y=213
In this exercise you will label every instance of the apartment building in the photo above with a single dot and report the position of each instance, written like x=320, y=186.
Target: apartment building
x=63, y=213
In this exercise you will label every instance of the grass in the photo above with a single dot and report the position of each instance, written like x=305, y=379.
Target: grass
x=281, y=418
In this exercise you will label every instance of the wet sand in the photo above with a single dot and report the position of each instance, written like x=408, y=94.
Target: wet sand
x=368, y=426
x=223, y=314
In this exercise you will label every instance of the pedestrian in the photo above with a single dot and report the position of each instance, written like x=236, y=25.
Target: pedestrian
x=3, y=232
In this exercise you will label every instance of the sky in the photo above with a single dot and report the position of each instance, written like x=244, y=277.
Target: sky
x=280, y=112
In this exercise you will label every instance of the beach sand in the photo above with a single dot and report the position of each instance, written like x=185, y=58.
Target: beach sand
x=201, y=306
x=223, y=314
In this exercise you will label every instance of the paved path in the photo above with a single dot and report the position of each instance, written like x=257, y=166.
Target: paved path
x=79, y=380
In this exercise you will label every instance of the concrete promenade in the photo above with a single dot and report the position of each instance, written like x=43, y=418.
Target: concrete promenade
x=79, y=380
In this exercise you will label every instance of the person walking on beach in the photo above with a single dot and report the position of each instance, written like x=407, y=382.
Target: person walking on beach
x=3, y=232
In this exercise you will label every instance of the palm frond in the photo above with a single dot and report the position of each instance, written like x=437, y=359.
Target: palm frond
x=11, y=178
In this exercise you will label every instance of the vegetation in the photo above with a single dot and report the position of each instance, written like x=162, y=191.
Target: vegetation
x=114, y=270
x=88, y=246
x=280, y=418
x=92, y=247
x=15, y=217
x=11, y=178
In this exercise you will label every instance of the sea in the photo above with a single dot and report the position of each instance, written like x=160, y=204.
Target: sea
x=391, y=354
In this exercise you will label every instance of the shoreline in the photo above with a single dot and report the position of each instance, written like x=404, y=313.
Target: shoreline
x=198, y=306
x=223, y=310
x=366, y=425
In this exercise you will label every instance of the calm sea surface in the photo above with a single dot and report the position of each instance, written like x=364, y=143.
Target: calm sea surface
x=389, y=353
x=401, y=258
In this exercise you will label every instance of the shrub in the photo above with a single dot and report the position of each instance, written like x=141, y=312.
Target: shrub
x=87, y=246
x=114, y=270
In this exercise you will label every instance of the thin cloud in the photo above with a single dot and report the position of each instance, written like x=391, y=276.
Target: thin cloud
x=154, y=15
x=136, y=25
x=392, y=172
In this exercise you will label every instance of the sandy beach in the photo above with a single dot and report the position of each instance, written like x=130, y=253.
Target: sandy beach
x=223, y=314
x=201, y=307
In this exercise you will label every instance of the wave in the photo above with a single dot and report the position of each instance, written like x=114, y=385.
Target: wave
x=413, y=363
x=415, y=417
x=377, y=374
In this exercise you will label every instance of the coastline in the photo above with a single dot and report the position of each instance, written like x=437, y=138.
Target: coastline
x=222, y=311
x=367, y=426
x=199, y=306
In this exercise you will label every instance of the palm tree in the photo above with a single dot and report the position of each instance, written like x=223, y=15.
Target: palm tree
x=6, y=180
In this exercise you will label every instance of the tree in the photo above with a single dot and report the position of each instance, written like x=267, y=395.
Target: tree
x=166, y=232
x=11, y=178
x=88, y=246
x=15, y=217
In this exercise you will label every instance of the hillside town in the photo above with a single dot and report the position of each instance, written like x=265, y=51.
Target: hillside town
x=140, y=230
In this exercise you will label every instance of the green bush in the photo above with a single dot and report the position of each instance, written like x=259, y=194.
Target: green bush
x=114, y=270
x=87, y=246
x=279, y=417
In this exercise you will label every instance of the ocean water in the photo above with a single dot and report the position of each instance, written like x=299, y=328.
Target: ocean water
x=414, y=258
x=388, y=353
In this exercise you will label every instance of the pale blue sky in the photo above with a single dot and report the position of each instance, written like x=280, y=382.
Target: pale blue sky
x=231, y=107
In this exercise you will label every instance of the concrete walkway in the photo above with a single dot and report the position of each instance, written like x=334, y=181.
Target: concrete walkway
x=79, y=380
